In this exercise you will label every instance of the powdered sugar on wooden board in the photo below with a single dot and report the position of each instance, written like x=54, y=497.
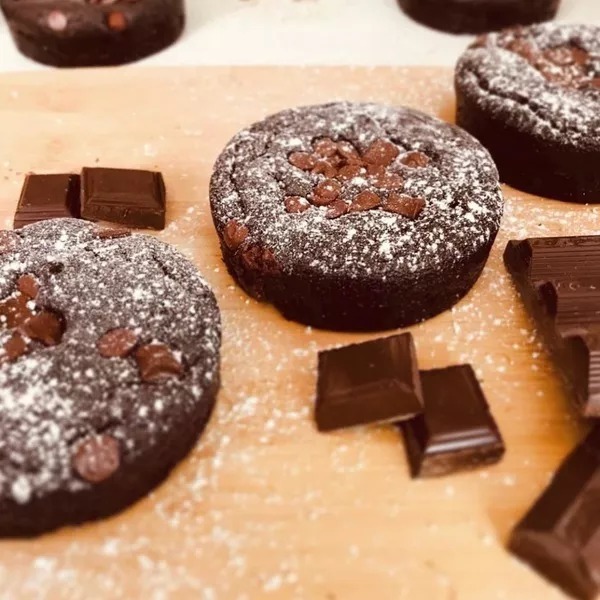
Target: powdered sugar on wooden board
x=265, y=507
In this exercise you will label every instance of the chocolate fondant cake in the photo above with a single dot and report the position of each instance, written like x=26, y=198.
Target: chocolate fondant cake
x=355, y=216
x=76, y=33
x=109, y=369
x=532, y=97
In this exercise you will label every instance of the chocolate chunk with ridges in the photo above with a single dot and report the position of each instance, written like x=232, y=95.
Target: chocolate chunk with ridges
x=117, y=343
x=47, y=197
x=475, y=16
x=157, y=362
x=111, y=233
x=527, y=95
x=59, y=396
x=560, y=535
x=365, y=201
x=456, y=430
x=129, y=197
x=97, y=458
x=373, y=382
x=559, y=282
x=339, y=268
x=85, y=33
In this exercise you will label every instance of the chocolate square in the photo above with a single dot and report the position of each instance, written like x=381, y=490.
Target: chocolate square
x=456, y=430
x=560, y=536
x=373, y=382
x=47, y=197
x=129, y=197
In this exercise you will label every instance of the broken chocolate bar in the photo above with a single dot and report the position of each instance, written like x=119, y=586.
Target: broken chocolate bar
x=559, y=282
x=128, y=197
x=456, y=430
x=560, y=536
x=373, y=382
x=47, y=197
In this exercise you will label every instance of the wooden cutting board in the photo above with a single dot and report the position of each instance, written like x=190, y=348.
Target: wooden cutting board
x=265, y=507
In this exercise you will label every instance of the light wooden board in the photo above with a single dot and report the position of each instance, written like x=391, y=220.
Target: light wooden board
x=265, y=507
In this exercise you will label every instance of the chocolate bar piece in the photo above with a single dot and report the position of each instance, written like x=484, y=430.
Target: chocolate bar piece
x=373, y=382
x=559, y=282
x=47, y=197
x=456, y=430
x=128, y=197
x=560, y=536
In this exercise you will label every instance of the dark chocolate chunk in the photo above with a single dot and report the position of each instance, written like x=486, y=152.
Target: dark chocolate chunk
x=47, y=197
x=560, y=535
x=129, y=197
x=373, y=382
x=112, y=233
x=117, y=343
x=559, y=282
x=97, y=458
x=456, y=430
x=46, y=327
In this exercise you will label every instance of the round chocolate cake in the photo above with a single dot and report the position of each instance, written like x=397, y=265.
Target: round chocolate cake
x=77, y=33
x=532, y=97
x=477, y=16
x=109, y=370
x=355, y=216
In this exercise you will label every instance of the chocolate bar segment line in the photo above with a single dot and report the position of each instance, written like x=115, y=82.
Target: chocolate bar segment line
x=560, y=535
x=559, y=282
x=373, y=382
x=47, y=196
x=456, y=430
x=129, y=197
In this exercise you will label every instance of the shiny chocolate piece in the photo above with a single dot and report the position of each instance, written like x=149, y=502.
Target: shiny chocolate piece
x=456, y=430
x=559, y=282
x=373, y=382
x=129, y=197
x=560, y=536
x=47, y=197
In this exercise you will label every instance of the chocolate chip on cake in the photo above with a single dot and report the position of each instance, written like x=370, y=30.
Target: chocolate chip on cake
x=97, y=458
x=117, y=343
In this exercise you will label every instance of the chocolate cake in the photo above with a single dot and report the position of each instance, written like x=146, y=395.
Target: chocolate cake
x=477, y=16
x=78, y=33
x=355, y=216
x=532, y=97
x=109, y=370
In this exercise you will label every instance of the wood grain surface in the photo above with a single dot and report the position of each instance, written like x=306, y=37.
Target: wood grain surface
x=265, y=507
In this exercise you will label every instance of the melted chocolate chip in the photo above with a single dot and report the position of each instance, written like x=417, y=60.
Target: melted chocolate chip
x=117, y=343
x=337, y=209
x=325, y=168
x=365, y=201
x=116, y=21
x=326, y=192
x=234, y=235
x=261, y=260
x=415, y=160
x=296, y=204
x=14, y=347
x=406, y=206
x=28, y=285
x=157, y=362
x=303, y=160
x=97, y=458
x=381, y=152
x=45, y=327
x=325, y=147
x=14, y=311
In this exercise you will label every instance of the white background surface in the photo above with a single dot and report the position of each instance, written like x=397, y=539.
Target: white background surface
x=357, y=32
